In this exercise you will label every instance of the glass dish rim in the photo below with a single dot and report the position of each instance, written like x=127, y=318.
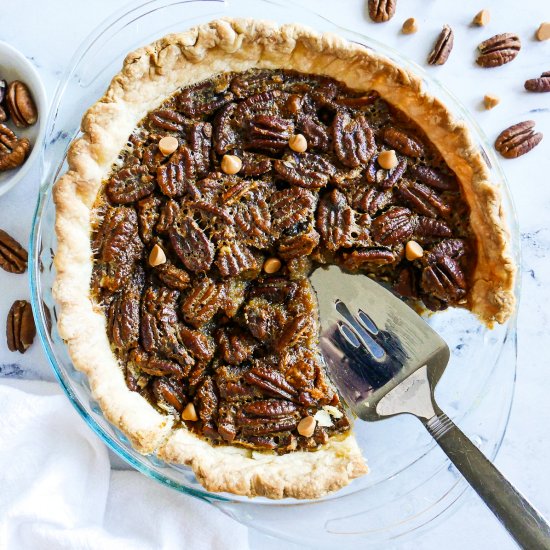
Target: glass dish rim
x=123, y=12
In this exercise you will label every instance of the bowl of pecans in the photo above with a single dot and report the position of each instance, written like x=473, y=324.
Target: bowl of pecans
x=23, y=108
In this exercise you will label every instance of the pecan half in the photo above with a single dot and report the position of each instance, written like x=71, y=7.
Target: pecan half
x=360, y=257
x=335, y=221
x=291, y=207
x=442, y=47
x=20, y=328
x=13, y=257
x=402, y=142
x=385, y=179
x=298, y=245
x=423, y=199
x=205, y=97
x=168, y=119
x=117, y=248
x=444, y=279
x=130, y=184
x=234, y=258
x=200, y=140
x=539, y=85
x=381, y=11
x=172, y=177
x=305, y=170
x=172, y=276
x=353, y=139
x=498, y=50
x=166, y=391
x=393, y=227
x=192, y=245
x=518, y=139
x=204, y=300
x=269, y=133
x=433, y=178
x=21, y=104
x=123, y=314
x=271, y=382
x=13, y=151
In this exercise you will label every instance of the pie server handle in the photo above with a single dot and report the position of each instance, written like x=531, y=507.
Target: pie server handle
x=528, y=528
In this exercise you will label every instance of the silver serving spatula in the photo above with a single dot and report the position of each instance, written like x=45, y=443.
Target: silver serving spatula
x=386, y=360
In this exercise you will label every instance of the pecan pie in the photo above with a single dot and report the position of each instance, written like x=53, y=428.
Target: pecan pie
x=220, y=168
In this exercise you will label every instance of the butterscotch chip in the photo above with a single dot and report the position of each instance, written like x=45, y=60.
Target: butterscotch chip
x=490, y=101
x=543, y=32
x=409, y=26
x=231, y=164
x=272, y=265
x=298, y=143
x=168, y=145
x=157, y=256
x=482, y=18
x=306, y=426
x=413, y=251
x=387, y=159
x=189, y=413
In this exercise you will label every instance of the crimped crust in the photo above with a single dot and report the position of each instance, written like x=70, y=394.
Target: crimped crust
x=148, y=76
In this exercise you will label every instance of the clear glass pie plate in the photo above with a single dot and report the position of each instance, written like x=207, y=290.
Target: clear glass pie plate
x=412, y=484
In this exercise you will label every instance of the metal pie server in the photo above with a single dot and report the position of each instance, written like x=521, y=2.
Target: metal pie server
x=386, y=360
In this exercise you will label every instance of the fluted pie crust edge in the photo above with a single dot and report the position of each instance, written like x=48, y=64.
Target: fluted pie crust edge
x=151, y=74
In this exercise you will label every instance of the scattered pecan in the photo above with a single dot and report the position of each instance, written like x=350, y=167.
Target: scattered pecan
x=442, y=47
x=256, y=82
x=402, y=142
x=13, y=150
x=20, y=328
x=353, y=139
x=254, y=164
x=13, y=257
x=382, y=10
x=305, y=170
x=21, y=104
x=498, y=50
x=541, y=84
x=274, y=289
x=157, y=366
x=370, y=199
x=200, y=345
x=270, y=408
x=518, y=139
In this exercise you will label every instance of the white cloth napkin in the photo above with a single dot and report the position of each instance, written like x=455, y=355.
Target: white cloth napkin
x=57, y=490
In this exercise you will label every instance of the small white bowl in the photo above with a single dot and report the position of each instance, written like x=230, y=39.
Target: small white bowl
x=15, y=66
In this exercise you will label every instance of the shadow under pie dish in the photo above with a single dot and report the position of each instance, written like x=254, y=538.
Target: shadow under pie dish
x=209, y=326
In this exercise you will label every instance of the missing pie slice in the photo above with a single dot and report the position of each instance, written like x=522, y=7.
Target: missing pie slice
x=193, y=346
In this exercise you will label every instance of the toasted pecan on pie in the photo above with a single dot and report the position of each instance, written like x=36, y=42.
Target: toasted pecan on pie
x=192, y=347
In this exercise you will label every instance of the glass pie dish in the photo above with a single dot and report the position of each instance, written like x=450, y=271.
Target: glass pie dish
x=411, y=483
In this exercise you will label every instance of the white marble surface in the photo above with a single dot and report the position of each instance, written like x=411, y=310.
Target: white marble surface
x=49, y=32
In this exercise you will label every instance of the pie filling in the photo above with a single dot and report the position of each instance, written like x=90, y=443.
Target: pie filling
x=203, y=274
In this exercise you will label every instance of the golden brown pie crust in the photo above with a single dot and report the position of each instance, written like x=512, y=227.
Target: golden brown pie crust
x=148, y=77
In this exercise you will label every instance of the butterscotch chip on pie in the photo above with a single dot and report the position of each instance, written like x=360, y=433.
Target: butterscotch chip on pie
x=211, y=359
